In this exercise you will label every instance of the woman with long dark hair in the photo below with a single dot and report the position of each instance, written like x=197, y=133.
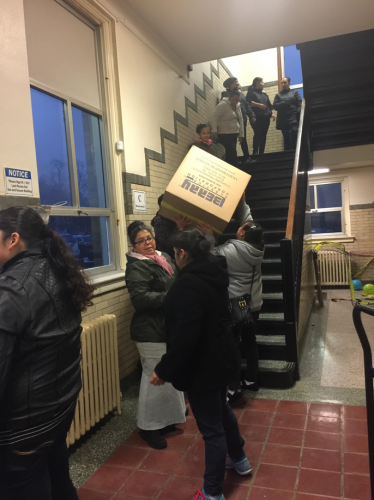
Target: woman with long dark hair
x=263, y=109
x=43, y=292
x=201, y=357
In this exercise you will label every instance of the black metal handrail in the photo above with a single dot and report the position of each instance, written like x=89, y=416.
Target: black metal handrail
x=369, y=376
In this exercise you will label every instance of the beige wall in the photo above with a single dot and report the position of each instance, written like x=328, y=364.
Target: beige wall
x=17, y=149
x=246, y=67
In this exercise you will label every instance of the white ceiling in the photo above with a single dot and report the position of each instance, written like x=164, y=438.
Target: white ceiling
x=203, y=30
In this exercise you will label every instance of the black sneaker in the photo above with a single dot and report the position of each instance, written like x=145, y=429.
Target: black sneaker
x=168, y=429
x=187, y=412
x=154, y=439
x=234, y=398
x=250, y=387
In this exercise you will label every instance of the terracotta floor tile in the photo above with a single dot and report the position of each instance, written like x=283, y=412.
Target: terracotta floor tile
x=355, y=444
x=135, y=440
x=179, y=443
x=289, y=421
x=232, y=477
x=129, y=457
x=322, y=440
x=306, y=496
x=85, y=494
x=351, y=426
x=235, y=491
x=358, y=412
x=288, y=437
x=251, y=417
x=281, y=455
x=189, y=426
x=238, y=412
x=268, y=494
x=191, y=466
x=198, y=447
x=253, y=450
x=161, y=461
x=262, y=404
x=324, y=424
x=356, y=463
x=276, y=477
x=357, y=487
x=297, y=407
x=320, y=482
x=181, y=487
x=108, y=478
x=144, y=484
x=325, y=410
x=253, y=432
x=321, y=460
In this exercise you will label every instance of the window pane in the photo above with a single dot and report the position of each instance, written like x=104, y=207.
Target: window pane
x=311, y=195
x=327, y=222
x=329, y=195
x=292, y=64
x=51, y=148
x=87, y=236
x=89, y=159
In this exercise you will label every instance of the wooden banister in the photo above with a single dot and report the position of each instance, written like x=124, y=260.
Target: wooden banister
x=292, y=205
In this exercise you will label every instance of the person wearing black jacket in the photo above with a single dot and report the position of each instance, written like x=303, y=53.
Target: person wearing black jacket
x=232, y=83
x=42, y=295
x=288, y=105
x=263, y=109
x=201, y=355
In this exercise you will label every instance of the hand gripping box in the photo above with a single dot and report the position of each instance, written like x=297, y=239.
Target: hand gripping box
x=205, y=189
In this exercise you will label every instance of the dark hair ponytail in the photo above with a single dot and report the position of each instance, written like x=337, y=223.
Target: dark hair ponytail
x=254, y=235
x=193, y=242
x=37, y=235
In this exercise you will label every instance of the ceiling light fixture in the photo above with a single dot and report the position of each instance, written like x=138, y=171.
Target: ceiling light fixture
x=319, y=171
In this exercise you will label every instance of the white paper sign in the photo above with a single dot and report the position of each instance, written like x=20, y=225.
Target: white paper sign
x=18, y=182
x=140, y=204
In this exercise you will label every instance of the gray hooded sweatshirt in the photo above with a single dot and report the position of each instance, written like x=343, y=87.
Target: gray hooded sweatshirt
x=242, y=260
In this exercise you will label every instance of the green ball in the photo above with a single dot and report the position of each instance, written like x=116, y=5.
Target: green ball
x=368, y=289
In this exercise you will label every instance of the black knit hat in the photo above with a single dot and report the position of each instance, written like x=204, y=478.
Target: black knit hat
x=229, y=81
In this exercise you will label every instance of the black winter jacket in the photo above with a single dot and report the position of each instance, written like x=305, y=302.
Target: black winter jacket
x=247, y=111
x=288, y=105
x=148, y=284
x=164, y=232
x=40, y=376
x=261, y=97
x=200, y=354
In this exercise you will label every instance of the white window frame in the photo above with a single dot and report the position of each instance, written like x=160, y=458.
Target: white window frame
x=345, y=235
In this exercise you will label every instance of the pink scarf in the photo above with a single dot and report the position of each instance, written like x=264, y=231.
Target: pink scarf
x=209, y=141
x=157, y=257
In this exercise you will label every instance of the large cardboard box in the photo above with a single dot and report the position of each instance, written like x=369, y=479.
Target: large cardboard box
x=205, y=189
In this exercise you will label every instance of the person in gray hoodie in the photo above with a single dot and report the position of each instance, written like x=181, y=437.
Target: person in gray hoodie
x=227, y=123
x=244, y=256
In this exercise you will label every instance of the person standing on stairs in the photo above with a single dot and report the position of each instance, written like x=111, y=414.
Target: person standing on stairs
x=201, y=356
x=244, y=256
x=288, y=105
x=227, y=124
x=232, y=83
x=205, y=142
x=149, y=276
x=263, y=109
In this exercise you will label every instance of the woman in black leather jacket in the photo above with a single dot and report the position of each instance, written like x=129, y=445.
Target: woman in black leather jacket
x=42, y=294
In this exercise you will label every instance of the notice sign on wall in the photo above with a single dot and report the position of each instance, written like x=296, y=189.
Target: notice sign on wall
x=18, y=182
x=140, y=204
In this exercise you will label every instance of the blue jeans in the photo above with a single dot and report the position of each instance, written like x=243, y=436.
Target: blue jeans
x=290, y=136
x=219, y=427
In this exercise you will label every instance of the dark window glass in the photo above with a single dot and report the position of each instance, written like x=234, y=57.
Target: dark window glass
x=88, y=237
x=90, y=168
x=51, y=148
x=329, y=195
x=311, y=195
x=327, y=222
x=292, y=64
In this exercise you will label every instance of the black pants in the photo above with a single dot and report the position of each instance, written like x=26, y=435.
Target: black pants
x=229, y=142
x=41, y=475
x=290, y=136
x=244, y=144
x=219, y=427
x=260, y=129
x=245, y=337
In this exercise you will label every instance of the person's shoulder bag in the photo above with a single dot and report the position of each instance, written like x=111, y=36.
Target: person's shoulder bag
x=240, y=307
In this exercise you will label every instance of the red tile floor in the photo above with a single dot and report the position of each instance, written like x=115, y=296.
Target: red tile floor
x=299, y=451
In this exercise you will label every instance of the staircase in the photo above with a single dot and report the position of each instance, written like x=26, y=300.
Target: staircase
x=338, y=75
x=268, y=195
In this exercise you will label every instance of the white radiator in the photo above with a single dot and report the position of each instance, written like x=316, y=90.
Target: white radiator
x=333, y=268
x=100, y=392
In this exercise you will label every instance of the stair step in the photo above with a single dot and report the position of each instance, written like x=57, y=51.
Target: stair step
x=275, y=236
x=276, y=374
x=262, y=202
x=262, y=178
x=272, y=296
x=272, y=303
x=272, y=192
x=271, y=339
x=271, y=317
x=274, y=349
x=271, y=223
x=272, y=283
x=273, y=250
x=273, y=266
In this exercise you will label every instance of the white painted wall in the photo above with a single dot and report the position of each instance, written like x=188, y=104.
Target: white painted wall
x=17, y=149
x=248, y=66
